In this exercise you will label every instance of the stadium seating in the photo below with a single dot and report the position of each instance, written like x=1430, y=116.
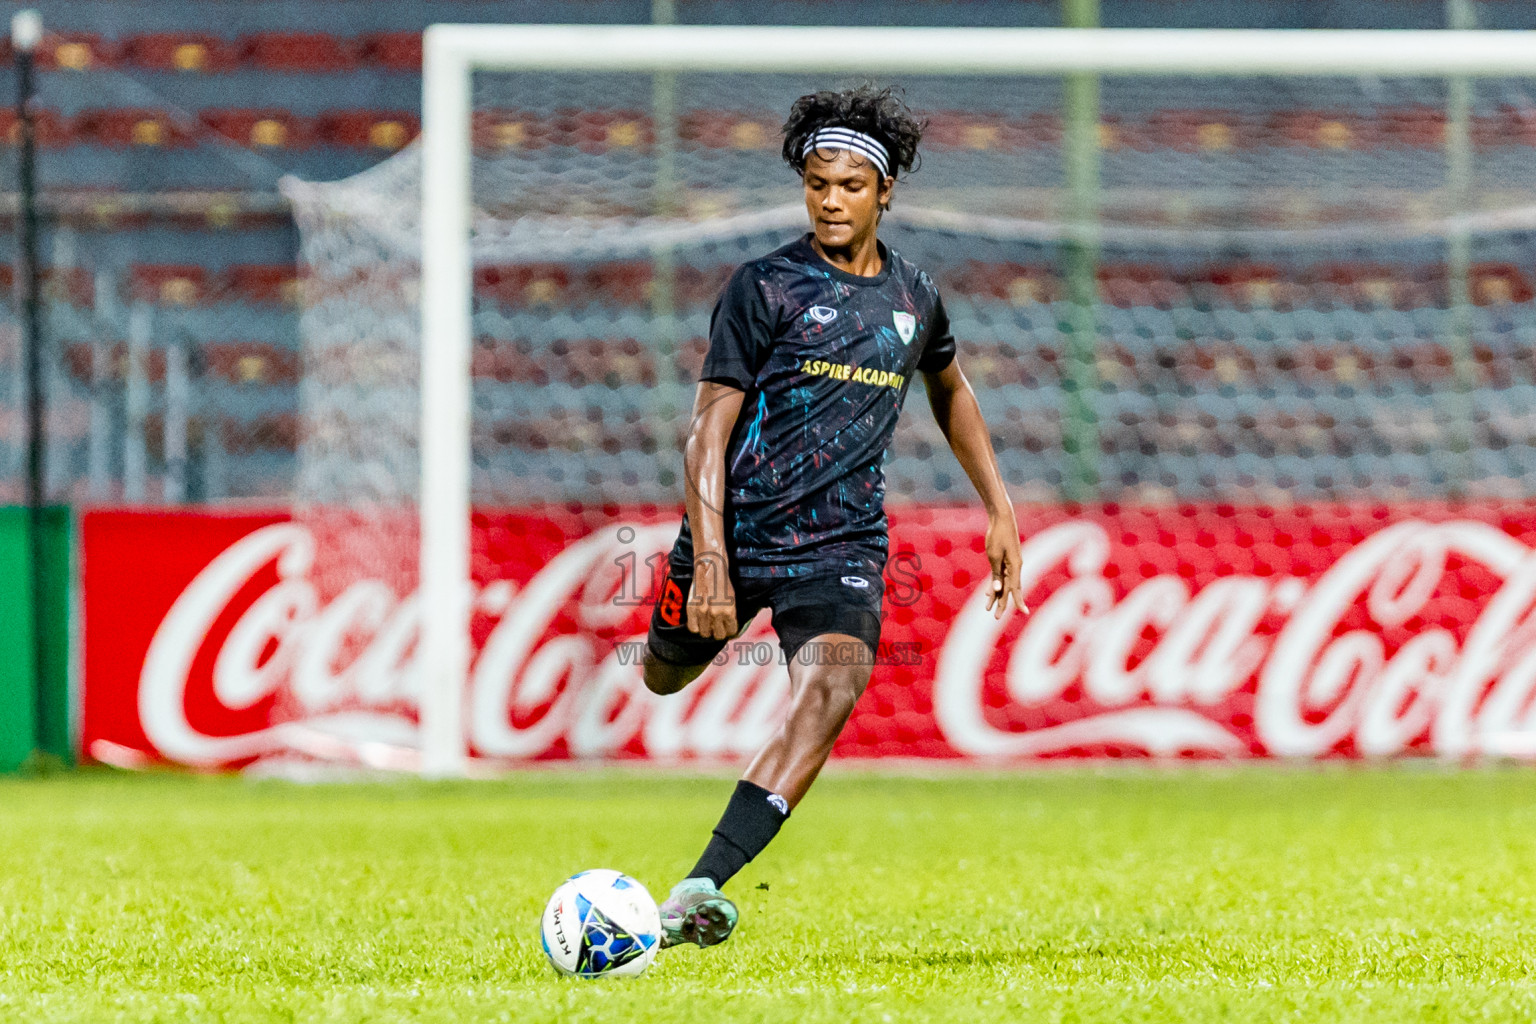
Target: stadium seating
x=1203, y=373
x=77, y=51
x=184, y=52
x=1360, y=407
x=268, y=128
x=52, y=131
x=391, y=51
x=367, y=129
x=121, y=127
x=260, y=284
x=298, y=52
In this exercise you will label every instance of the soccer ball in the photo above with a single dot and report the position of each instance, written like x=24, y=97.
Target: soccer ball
x=601, y=924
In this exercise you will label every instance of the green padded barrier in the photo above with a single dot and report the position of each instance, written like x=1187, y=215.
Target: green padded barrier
x=23, y=731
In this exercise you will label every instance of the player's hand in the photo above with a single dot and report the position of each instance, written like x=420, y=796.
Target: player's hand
x=1003, y=553
x=712, y=601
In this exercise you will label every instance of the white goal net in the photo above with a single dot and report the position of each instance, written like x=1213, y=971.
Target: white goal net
x=1266, y=273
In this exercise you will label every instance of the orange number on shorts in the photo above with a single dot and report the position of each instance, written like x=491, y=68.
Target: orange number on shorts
x=672, y=603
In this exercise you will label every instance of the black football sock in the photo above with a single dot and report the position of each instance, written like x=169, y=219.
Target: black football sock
x=751, y=820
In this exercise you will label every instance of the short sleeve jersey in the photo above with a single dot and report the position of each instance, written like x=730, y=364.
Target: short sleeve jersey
x=825, y=358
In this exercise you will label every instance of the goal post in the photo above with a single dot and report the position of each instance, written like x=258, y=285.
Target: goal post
x=454, y=53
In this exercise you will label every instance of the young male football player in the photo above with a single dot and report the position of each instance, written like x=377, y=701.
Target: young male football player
x=811, y=351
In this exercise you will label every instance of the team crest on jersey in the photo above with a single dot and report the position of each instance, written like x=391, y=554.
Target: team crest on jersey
x=823, y=314
x=906, y=326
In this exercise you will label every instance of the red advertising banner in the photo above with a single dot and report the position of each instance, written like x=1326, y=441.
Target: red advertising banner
x=1199, y=631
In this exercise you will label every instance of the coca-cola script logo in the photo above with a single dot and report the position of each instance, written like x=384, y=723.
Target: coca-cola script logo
x=1368, y=656
x=1317, y=686
x=558, y=673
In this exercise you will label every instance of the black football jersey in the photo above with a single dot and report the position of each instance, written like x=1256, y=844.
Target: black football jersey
x=825, y=358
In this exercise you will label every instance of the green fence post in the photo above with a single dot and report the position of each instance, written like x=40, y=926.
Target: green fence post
x=54, y=733
x=18, y=710
x=1080, y=330
x=33, y=729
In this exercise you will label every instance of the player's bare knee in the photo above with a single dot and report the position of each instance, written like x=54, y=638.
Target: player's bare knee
x=663, y=678
x=834, y=692
x=844, y=694
x=859, y=677
x=851, y=684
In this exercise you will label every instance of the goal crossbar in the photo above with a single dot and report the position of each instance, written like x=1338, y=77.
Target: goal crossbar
x=963, y=51
x=452, y=53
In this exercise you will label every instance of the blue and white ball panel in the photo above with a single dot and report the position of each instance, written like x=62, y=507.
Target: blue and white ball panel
x=561, y=928
x=601, y=923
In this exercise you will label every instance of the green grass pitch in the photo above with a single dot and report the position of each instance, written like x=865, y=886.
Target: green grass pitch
x=1125, y=895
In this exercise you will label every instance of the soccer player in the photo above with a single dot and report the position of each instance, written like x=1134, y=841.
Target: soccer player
x=811, y=350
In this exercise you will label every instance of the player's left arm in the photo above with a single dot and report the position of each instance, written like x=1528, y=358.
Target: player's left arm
x=959, y=417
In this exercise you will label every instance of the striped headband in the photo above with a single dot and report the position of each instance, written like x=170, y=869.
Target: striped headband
x=854, y=142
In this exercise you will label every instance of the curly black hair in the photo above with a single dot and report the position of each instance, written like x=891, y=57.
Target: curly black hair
x=880, y=113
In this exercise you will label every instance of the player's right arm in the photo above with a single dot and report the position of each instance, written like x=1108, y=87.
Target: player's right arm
x=740, y=334
x=712, y=600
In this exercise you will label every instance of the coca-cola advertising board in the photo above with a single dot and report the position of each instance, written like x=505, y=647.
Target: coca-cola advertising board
x=1200, y=631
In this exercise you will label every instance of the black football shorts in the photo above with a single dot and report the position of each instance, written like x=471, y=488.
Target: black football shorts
x=804, y=607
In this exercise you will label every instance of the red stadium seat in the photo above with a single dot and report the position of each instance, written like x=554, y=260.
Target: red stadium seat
x=616, y=284
x=1127, y=285
x=251, y=362
x=599, y=131
x=168, y=284
x=498, y=130
x=78, y=360
x=581, y=361
x=262, y=284
x=124, y=127
x=261, y=129
x=1498, y=284
x=1514, y=125
x=1414, y=127
x=274, y=432
x=72, y=285
x=76, y=282
x=53, y=131
x=1020, y=284
x=525, y=284
x=76, y=51
x=180, y=51
x=728, y=129
x=299, y=51
x=971, y=130
x=392, y=51
x=367, y=129
x=1322, y=129
x=701, y=286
